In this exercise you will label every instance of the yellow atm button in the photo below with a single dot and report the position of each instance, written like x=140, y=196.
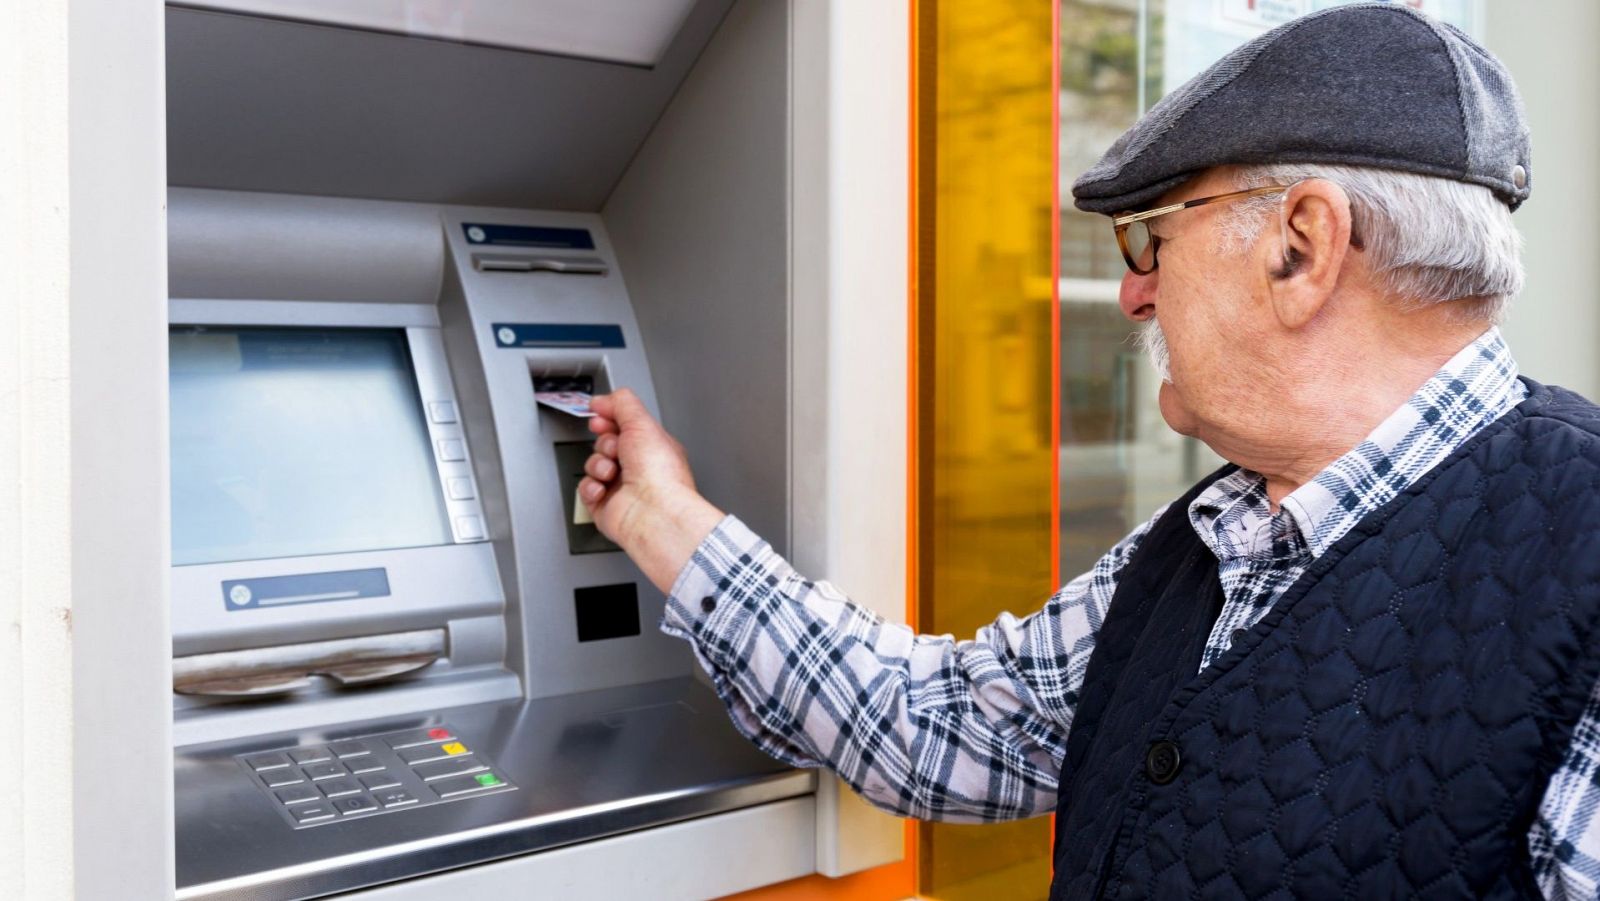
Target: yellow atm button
x=454, y=748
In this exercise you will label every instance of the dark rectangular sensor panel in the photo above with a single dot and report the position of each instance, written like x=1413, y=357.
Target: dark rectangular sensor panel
x=607, y=611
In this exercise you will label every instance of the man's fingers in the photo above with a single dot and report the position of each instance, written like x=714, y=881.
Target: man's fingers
x=591, y=491
x=607, y=445
x=600, y=467
x=601, y=425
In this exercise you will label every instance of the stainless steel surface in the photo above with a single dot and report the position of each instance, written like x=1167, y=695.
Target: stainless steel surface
x=585, y=765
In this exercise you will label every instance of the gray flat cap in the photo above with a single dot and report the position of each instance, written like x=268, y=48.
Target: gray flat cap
x=1374, y=84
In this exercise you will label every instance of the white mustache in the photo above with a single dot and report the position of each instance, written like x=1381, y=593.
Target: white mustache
x=1153, y=342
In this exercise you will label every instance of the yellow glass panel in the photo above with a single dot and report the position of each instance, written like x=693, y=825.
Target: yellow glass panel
x=986, y=402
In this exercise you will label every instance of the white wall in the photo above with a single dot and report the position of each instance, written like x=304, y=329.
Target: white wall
x=1550, y=48
x=84, y=650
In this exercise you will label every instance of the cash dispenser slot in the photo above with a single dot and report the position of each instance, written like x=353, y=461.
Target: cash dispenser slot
x=579, y=375
x=255, y=672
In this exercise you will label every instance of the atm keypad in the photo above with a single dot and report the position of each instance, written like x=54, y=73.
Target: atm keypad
x=328, y=783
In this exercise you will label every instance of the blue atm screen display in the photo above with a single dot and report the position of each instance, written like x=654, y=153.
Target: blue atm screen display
x=292, y=442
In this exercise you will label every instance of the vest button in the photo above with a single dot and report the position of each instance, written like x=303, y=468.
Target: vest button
x=1162, y=761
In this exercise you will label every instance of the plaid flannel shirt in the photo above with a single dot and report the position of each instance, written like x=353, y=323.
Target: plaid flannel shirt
x=934, y=728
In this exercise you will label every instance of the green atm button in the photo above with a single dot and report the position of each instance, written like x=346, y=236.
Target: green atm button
x=488, y=779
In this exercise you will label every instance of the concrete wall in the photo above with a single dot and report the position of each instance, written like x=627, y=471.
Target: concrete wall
x=84, y=641
x=1554, y=327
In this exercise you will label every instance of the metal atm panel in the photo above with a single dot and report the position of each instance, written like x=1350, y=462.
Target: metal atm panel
x=556, y=713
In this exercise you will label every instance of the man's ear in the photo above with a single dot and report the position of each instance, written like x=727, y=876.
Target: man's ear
x=1308, y=251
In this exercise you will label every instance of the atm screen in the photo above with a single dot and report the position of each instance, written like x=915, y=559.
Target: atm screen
x=291, y=442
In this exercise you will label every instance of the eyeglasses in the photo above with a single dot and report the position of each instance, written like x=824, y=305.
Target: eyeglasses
x=1139, y=245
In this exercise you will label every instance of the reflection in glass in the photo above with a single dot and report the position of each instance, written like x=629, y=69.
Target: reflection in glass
x=1119, y=461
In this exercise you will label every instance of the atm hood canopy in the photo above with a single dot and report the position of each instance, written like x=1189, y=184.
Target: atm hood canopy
x=398, y=100
x=630, y=32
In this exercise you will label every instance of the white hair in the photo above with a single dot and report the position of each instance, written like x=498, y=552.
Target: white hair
x=1428, y=240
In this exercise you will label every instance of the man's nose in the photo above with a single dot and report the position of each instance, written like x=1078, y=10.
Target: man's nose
x=1138, y=295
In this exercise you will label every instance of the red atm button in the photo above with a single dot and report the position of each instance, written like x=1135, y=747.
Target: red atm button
x=417, y=737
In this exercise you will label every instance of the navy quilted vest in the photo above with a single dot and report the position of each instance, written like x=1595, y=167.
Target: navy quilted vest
x=1387, y=729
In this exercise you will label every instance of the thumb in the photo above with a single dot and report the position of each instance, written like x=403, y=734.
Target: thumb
x=629, y=411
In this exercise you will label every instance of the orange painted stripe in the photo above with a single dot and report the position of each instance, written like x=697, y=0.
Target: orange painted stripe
x=913, y=374
x=1055, y=314
x=892, y=882
x=1055, y=294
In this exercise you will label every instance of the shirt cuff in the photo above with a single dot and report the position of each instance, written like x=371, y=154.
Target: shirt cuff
x=718, y=598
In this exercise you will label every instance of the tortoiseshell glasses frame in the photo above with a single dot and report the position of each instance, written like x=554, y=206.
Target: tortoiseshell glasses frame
x=1121, y=222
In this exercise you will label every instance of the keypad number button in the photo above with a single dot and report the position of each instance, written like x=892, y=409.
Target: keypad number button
x=398, y=798
x=312, y=813
x=357, y=804
x=321, y=771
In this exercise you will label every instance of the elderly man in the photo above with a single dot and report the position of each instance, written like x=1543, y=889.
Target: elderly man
x=1360, y=660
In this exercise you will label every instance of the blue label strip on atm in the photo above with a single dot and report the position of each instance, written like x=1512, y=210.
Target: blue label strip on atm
x=511, y=334
x=306, y=588
x=484, y=235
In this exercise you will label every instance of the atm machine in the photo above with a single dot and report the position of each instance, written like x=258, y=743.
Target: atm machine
x=404, y=660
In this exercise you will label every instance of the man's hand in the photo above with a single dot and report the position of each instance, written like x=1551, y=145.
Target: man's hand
x=640, y=490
